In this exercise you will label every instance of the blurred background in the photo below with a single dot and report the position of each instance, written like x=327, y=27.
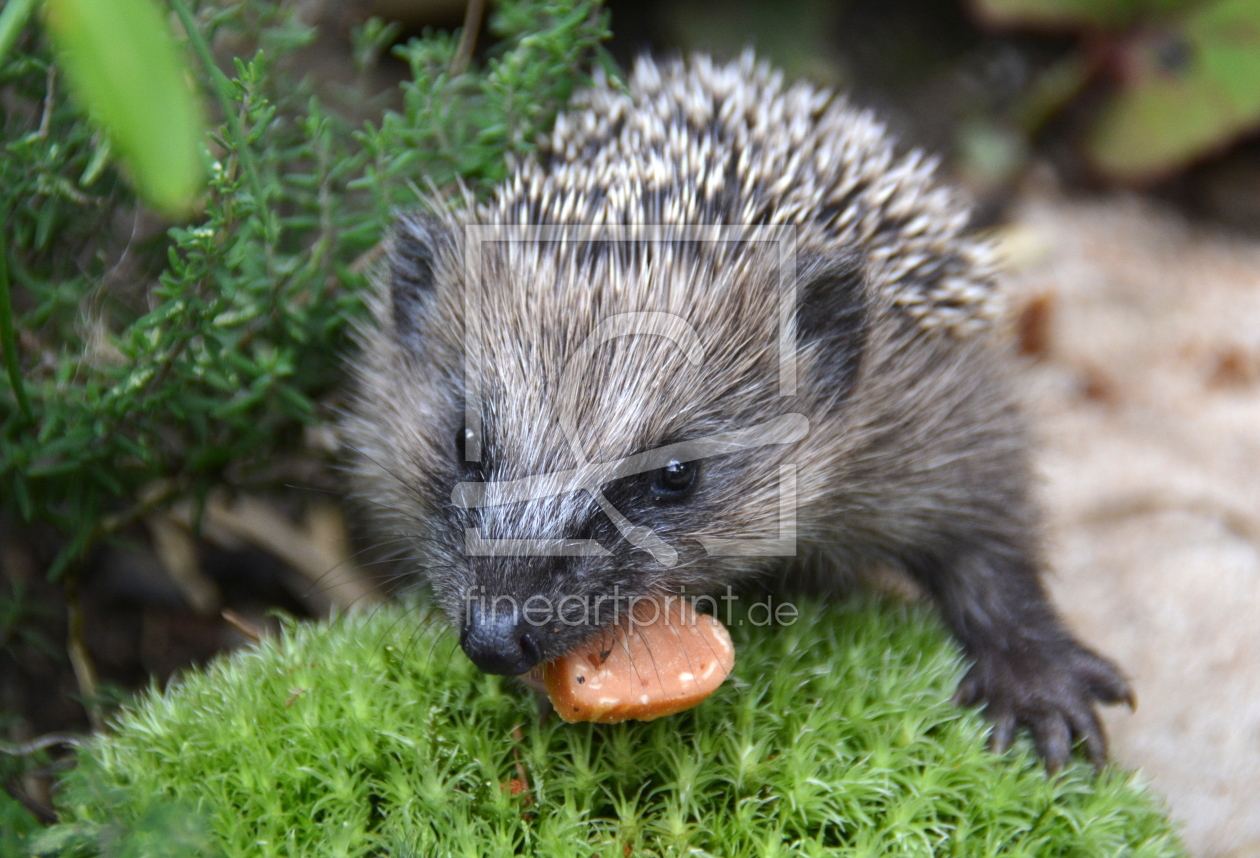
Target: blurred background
x=1112, y=149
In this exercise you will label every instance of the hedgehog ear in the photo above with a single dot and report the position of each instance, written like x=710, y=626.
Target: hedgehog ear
x=831, y=314
x=412, y=280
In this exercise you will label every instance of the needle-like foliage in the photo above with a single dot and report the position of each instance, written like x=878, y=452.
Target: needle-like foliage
x=374, y=735
x=154, y=365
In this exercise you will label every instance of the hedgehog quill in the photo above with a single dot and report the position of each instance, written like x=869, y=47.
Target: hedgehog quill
x=711, y=304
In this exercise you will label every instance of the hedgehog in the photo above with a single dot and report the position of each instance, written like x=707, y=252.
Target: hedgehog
x=717, y=331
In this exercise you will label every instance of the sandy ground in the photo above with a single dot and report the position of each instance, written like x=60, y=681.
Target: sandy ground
x=1147, y=387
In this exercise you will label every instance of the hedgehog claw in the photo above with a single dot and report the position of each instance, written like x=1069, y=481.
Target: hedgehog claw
x=1052, y=692
x=1003, y=732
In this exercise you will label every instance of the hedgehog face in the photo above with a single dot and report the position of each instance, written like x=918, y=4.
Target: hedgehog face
x=609, y=443
x=543, y=573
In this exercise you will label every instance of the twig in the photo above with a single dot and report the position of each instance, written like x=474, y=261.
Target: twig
x=468, y=37
x=21, y=749
x=260, y=524
x=37, y=809
x=80, y=658
x=241, y=624
x=176, y=550
x=152, y=497
x=50, y=102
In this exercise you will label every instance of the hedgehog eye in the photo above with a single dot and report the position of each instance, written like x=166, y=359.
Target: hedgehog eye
x=675, y=480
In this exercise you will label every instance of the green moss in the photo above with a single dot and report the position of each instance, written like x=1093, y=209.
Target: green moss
x=375, y=735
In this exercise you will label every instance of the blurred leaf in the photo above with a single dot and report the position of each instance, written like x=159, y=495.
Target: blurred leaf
x=124, y=68
x=1185, y=91
x=990, y=154
x=12, y=20
x=16, y=825
x=1052, y=89
x=1072, y=14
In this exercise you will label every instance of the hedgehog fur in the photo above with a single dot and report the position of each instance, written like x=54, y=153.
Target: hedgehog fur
x=651, y=203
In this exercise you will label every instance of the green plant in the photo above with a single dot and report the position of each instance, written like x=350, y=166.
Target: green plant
x=371, y=735
x=152, y=366
x=1182, y=76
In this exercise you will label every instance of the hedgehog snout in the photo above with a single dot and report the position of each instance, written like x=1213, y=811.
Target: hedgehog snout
x=498, y=639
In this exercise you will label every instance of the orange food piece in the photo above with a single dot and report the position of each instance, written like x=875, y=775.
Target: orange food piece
x=668, y=659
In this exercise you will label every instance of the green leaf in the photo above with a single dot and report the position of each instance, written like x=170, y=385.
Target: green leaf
x=1187, y=90
x=12, y=20
x=123, y=67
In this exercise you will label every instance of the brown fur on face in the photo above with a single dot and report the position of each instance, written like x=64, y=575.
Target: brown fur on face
x=658, y=196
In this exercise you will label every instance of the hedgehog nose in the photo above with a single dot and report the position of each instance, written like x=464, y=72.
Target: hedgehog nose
x=498, y=641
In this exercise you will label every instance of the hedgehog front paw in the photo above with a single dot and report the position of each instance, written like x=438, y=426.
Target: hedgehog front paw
x=1050, y=690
